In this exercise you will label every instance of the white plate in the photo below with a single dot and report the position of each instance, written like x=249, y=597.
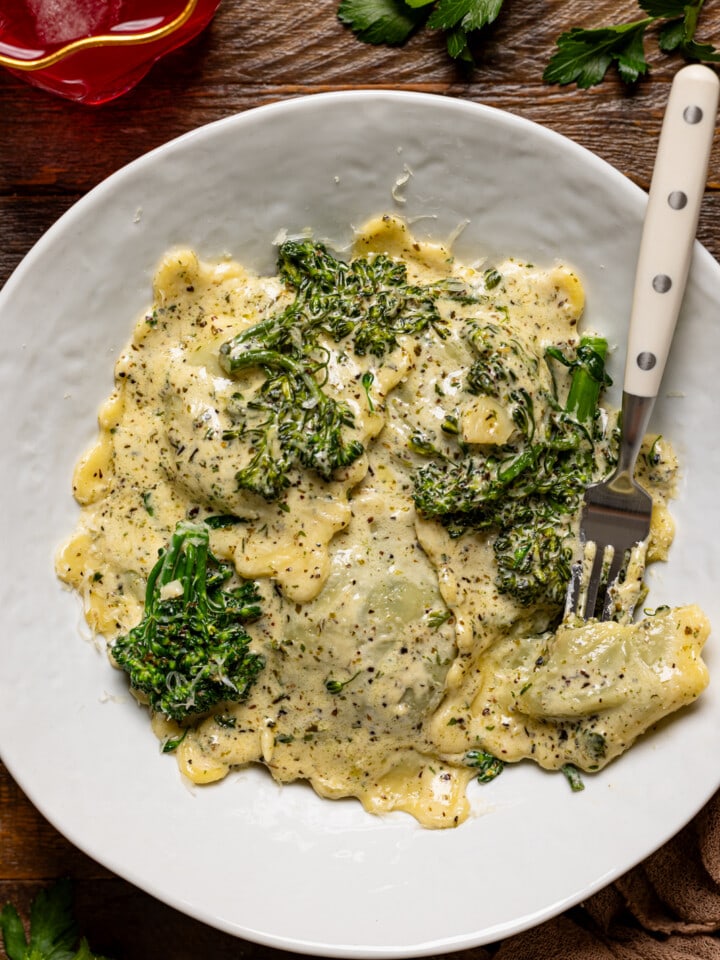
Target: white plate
x=278, y=865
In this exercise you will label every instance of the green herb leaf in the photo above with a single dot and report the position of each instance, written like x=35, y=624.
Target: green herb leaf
x=700, y=51
x=367, y=380
x=53, y=932
x=492, y=278
x=482, y=13
x=488, y=767
x=85, y=953
x=469, y=14
x=13, y=933
x=436, y=618
x=172, y=743
x=573, y=777
x=337, y=686
x=219, y=521
x=679, y=33
x=672, y=36
x=584, y=56
x=664, y=9
x=630, y=57
x=449, y=13
x=393, y=21
x=456, y=41
x=381, y=21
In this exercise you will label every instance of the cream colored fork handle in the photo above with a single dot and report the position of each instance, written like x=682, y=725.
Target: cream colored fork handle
x=676, y=190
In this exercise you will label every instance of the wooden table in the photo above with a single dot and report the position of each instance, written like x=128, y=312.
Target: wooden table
x=53, y=152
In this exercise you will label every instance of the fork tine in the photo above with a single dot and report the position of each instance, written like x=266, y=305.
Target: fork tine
x=593, y=583
x=615, y=568
x=572, y=597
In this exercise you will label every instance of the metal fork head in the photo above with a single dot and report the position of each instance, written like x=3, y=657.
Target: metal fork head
x=615, y=517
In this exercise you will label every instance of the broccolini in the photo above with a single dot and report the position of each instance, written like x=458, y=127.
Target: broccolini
x=191, y=650
x=527, y=494
x=299, y=424
x=364, y=305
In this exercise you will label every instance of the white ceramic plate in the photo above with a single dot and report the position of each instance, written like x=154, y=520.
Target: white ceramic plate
x=278, y=865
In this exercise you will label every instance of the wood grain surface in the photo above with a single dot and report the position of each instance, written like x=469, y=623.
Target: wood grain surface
x=53, y=152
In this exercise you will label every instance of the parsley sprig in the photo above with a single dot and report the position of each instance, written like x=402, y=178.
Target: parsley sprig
x=584, y=56
x=394, y=21
x=53, y=931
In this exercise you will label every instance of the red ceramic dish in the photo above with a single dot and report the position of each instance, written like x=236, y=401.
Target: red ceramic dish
x=94, y=50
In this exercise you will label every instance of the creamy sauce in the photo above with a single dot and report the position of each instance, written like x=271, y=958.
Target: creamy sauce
x=428, y=660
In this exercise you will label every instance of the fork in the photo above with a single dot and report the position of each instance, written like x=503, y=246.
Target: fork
x=616, y=512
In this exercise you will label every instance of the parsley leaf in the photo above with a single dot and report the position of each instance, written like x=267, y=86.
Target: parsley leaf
x=700, y=51
x=13, y=933
x=381, y=21
x=672, y=36
x=53, y=931
x=677, y=35
x=482, y=13
x=457, y=44
x=52, y=926
x=663, y=9
x=468, y=14
x=394, y=21
x=85, y=953
x=584, y=56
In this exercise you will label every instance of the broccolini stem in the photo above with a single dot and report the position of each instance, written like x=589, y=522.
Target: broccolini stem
x=172, y=566
x=233, y=353
x=588, y=378
x=271, y=358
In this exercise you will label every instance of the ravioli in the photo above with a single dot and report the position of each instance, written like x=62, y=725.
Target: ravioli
x=391, y=654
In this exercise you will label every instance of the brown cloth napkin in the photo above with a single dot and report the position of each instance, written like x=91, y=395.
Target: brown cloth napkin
x=667, y=908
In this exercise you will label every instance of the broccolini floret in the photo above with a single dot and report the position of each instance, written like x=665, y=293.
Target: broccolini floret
x=364, y=305
x=299, y=424
x=190, y=650
x=500, y=362
x=528, y=494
